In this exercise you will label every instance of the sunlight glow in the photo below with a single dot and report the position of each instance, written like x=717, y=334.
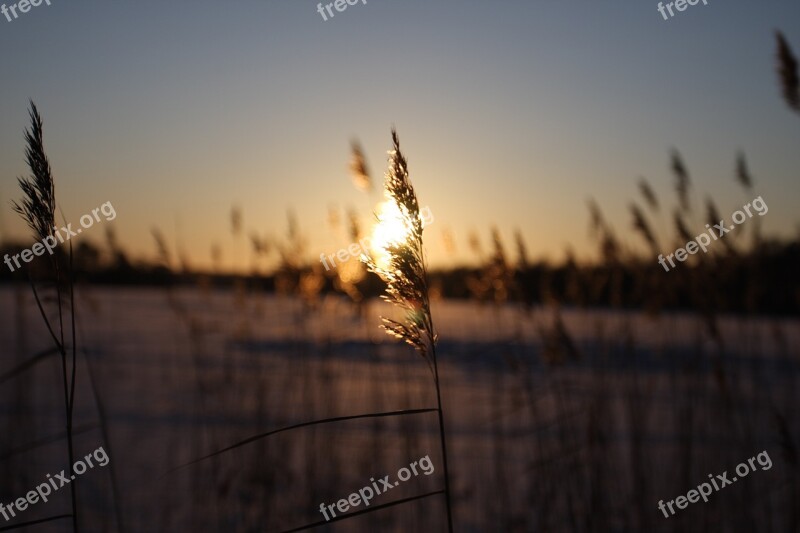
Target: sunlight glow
x=390, y=228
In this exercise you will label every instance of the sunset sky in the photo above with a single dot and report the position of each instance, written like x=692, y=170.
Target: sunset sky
x=511, y=113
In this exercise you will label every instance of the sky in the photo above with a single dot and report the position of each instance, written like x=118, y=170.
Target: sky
x=511, y=114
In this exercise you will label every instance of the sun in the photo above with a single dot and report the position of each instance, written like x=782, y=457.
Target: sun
x=390, y=228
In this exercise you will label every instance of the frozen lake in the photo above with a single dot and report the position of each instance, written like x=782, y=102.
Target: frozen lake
x=581, y=431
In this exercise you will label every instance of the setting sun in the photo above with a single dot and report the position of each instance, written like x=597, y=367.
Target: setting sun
x=390, y=228
x=219, y=266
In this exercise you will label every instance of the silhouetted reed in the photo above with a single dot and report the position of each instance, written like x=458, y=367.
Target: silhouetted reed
x=787, y=72
x=37, y=209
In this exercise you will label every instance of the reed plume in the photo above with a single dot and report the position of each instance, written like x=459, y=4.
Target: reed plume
x=448, y=241
x=498, y=272
x=599, y=229
x=648, y=194
x=597, y=223
x=236, y=220
x=474, y=243
x=787, y=71
x=38, y=208
x=358, y=168
x=641, y=225
x=743, y=175
x=404, y=272
x=351, y=273
x=682, y=181
x=713, y=217
x=260, y=245
x=745, y=179
x=163, y=249
x=406, y=281
x=522, y=251
x=713, y=213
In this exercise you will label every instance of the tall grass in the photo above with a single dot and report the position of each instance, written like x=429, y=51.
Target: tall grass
x=407, y=287
x=406, y=280
x=37, y=209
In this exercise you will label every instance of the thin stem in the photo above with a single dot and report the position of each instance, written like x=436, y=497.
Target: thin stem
x=363, y=511
x=34, y=522
x=67, y=403
x=301, y=425
x=44, y=315
x=70, y=411
x=67, y=396
x=74, y=341
x=443, y=440
x=432, y=340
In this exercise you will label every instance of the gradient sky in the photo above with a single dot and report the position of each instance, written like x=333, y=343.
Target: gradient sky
x=511, y=113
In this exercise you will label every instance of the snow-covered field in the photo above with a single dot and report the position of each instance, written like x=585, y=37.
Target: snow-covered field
x=538, y=440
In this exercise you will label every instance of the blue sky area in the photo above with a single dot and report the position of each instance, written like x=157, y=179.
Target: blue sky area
x=511, y=113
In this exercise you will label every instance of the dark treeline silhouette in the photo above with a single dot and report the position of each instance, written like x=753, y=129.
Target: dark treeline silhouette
x=760, y=282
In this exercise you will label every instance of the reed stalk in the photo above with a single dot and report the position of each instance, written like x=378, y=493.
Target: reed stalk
x=37, y=209
x=404, y=271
